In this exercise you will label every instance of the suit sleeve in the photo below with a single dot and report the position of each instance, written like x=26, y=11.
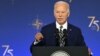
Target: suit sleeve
x=80, y=39
x=41, y=43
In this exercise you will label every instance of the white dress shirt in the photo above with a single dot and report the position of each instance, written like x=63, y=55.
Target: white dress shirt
x=65, y=26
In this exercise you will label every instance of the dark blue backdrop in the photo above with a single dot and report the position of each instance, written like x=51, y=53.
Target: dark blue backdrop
x=16, y=17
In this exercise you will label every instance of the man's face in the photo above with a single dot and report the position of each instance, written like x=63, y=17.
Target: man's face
x=61, y=13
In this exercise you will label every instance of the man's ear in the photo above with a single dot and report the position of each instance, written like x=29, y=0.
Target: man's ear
x=68, y=14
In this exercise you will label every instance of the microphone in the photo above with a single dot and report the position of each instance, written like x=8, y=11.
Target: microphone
x=64, y=38
x=65, y=32
x=57, y=36
x=57, y=33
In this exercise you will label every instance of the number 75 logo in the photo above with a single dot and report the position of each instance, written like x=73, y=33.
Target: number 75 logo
x=94, y=22
x=7, y=50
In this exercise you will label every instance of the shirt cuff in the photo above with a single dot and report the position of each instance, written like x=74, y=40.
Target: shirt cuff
x=36, y=42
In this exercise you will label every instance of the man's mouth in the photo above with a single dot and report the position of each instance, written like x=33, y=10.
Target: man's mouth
x=60, y=18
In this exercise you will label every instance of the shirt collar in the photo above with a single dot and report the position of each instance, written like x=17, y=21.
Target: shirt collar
x=65, y=25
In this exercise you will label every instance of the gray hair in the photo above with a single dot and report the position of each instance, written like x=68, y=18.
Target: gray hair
x=63, y=2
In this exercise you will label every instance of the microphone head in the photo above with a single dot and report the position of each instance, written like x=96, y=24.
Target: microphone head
x=65, y=32
x=57, y=31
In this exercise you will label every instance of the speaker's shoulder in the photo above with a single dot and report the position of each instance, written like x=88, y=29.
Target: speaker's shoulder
x=73, y=27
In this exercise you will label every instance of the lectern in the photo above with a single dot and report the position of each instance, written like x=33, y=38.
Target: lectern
x=59, y=51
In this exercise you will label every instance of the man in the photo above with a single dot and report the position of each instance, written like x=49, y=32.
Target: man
x=47, y=36
x=51, y=34
x=59, y=33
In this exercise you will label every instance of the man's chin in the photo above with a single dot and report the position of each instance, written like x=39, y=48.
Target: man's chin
x=60, y=22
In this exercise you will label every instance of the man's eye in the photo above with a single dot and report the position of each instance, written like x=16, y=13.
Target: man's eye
x=63, y=12
x=57, y=12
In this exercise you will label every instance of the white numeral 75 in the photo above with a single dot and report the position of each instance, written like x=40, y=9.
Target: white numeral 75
x=7, y=50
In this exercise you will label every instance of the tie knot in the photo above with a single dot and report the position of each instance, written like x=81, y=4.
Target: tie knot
x=61, y=27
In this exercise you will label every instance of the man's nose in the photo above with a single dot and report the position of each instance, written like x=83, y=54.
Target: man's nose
x=60, y=14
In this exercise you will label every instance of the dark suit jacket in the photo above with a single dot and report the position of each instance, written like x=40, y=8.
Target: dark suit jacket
x=74, y=37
